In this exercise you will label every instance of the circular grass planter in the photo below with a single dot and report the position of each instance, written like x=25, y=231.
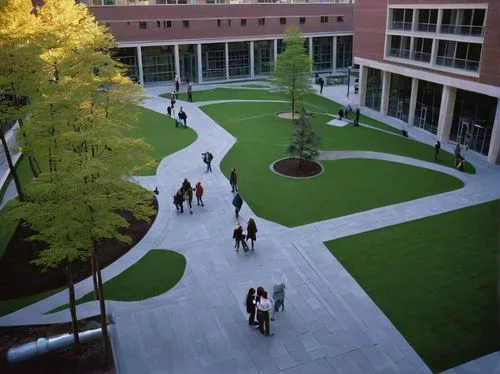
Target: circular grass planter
x=288, y=115
x=289, y=167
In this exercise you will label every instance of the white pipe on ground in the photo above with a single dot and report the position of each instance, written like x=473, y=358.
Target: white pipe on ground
x=42, y=345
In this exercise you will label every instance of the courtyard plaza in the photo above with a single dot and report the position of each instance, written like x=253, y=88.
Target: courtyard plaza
x=330, y=324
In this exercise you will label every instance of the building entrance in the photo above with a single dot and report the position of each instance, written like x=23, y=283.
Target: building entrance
x=473, y=134
x=187, y=62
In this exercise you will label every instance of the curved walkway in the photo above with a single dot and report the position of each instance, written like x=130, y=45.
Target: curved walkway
x=330, y=324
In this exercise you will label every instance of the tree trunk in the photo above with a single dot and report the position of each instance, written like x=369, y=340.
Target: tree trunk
x=72, y=305
x=102, y=306
x=31, y=160
x=93, y=261
x=13, y=170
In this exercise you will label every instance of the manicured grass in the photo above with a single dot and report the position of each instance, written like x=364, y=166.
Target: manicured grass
x=255, y=86
x=345, y=187
x=9, y=306
x=160, y=132
x=154, y=274
x=436, y=279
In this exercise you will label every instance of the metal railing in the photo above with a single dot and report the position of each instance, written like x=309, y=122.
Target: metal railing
x=426, y=27
x=465, y=30
x=399, y=53
x=95, y=3
x=394, y=25
x=421, y=56
x=457, y=63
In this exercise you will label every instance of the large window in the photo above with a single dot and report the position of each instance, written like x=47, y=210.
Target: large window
x=463, y=21
x=373, y=88
x=128, y=57
x=344, y=51
x=428, y=104
x=158, y=63
x=213, y=61
x=322, y=53
x=239, y=59
x=427, y=20
x=459, y=55
x=422, y=50
x=263, y=56
x=401, y=19
x=399, y=97
x=399, y=46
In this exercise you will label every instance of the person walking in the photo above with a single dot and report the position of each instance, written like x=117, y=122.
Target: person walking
x=458, y=154
x=251, y=307
x=169, y=111
x=190, y=92
x=199, y=194
x=341, y=113
x=264, y=305
x=183, y=116
x=177, y=83
x=233, y=180
x=188, y=196
x=279, y=298
x=172, y=103
x=437, y=147
x=237, y=236
x=237, y=203
x=356, y=118
x=178, y=201
x=252, y=231
x=207, y=159
x=321, y=82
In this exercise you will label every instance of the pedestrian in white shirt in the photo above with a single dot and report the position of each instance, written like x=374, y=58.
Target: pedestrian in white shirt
x=264, y=306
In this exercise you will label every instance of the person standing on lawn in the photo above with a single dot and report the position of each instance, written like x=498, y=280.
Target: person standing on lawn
x=233, y=180
x=199, y=194
x=190, y=92
x=237, y=203
x=437, y=147
x=252, y=231
x=321, y=82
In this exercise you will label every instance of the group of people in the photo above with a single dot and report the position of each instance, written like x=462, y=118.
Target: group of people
x=185, y=194
x=260, y=305
x=241, y=237
x=181, y=118
x=345, y=111
x=459, y=160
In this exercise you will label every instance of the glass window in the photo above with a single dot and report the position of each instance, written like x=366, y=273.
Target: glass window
x=143, y=25
x=262, y=21
x=263, y=56
x=243, y=22
x=128, y=57
x=239, y=59
x=158, y=63
x=322, y=54
x=218, y=23
x=213, y=61
x=344, y=51
x=373, y=88
x=340, y=19
x=302, y=20
x=283, y=21
x=185, y=24
x=324, y=19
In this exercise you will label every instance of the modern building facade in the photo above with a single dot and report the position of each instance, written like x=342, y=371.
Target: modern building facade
x=433, y=64
x=206, y=42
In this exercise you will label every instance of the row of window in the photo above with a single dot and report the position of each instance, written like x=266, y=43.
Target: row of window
x=243, y=22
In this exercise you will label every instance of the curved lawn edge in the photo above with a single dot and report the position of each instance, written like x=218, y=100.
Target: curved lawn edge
x=158, y=271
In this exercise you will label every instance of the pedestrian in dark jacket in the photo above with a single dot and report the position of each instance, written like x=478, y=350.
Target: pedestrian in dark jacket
x=251, y=231
x=190, y=92
x=356, y=118
x=172, y=101
x=186, y=185
x=179, y=200
x=251, y=307
x=207, y=159
x=233, y=180
x=169, y=111
x=237, y=236
x=321, y=82
x=177, y=83
x=437, y=147
x=237, y=203
x=183, y=116
x=341, y=113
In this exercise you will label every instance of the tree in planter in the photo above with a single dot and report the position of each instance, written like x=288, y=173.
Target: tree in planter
x=305, y=142
x=77, y=127
x=19, y=70
x=293, y=68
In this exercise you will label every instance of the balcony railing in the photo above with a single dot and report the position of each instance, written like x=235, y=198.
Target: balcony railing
x=462, y=30
x=399, y=53
x=400, y=25
x=93, y=3
x=426, y=27
x=421, y=56
x=457, y=63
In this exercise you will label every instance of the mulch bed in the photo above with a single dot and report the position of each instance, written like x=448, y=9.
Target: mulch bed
x=290, y=168
x=87, y=361
x=20, y=278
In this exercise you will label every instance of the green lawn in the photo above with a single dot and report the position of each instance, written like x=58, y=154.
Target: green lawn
x=436, y=279
x=160, y=132
x=154, y=274
x=346, y=186
x=9, y=306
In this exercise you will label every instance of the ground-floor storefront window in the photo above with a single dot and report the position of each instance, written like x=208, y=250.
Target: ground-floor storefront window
x=158, y=63
x=373, y=89
x=428, y=104
x=399, y=97
x=213, y=58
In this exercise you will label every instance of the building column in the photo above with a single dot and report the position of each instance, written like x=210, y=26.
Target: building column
x=446, y=113
x=363, y=72
x=413, y=101
x=252, y=67
x=386, y=88
x=334, y=54
x=439, y=20
x=177, y=62
x=494, y=152
x=226, y=54
x=139, y=65
x=311, y=52
x=275, y=49
x=200, y=63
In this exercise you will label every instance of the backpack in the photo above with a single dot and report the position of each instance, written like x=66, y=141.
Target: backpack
x=210, y=157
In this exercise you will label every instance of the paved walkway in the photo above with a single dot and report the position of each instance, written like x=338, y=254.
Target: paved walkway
x=330, y=325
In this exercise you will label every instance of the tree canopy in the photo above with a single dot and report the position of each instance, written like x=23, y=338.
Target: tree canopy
x=305, y=141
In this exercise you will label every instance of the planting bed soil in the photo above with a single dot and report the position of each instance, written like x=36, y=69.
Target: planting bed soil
x=290, y=168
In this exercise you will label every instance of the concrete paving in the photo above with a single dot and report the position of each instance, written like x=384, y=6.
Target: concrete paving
x=329, y=325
